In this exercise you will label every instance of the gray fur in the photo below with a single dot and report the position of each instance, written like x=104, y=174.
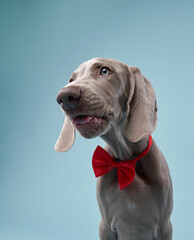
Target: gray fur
x=142, y=210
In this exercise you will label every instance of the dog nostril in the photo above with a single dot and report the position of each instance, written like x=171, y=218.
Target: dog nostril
x=59, y=100
x=71, y=98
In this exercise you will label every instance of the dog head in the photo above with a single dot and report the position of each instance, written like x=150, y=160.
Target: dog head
x=103, y=94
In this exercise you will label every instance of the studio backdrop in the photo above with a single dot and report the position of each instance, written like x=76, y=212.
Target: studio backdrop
x=46, y=195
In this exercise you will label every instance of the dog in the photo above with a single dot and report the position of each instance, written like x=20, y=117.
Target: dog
x=107, y=98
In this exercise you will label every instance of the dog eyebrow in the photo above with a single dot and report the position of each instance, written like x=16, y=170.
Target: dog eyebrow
x=74, y=75
x=96, y=65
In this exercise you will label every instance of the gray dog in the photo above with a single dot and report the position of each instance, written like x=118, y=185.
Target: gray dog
x=109, y=99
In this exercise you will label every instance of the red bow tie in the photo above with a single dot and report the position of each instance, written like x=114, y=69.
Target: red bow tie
x=103, y=163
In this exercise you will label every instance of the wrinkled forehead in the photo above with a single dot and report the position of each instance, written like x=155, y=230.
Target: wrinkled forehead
x=89, y=66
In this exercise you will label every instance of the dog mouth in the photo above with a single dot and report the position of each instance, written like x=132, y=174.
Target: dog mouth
x=91, y=123
x=83, y=121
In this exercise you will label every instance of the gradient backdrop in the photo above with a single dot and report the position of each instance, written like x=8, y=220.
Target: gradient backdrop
x=45, y=195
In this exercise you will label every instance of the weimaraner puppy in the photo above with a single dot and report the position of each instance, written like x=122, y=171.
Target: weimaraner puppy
x=107, y=98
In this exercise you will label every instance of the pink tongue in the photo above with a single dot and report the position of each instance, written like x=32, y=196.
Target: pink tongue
x=82, y=120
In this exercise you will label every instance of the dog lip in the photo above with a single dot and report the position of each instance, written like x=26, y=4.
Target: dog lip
x=86, y=119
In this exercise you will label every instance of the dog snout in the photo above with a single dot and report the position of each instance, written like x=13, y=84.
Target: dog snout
x=68, y=97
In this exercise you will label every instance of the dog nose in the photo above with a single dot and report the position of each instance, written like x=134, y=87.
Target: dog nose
x=69, y=97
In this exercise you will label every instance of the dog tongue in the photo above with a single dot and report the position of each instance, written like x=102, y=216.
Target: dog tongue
x=82, y=120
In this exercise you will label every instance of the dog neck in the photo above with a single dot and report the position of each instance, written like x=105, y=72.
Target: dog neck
x=120, y=148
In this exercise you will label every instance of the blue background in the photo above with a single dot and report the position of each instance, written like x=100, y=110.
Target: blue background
x=50, y=195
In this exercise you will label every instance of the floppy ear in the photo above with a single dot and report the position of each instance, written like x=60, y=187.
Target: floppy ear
x=141, y=107
x=66, y=138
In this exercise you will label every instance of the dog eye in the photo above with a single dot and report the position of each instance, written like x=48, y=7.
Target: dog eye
x=70, y=80
x=105, y=71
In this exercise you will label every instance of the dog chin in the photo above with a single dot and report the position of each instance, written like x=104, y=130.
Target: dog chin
x=88, y=135
x=92, y=131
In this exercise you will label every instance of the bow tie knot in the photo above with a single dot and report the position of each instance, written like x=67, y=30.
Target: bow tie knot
x=115, y=165
x=103, y=163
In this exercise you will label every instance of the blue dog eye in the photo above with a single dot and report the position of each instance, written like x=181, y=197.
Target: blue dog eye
x=105, y=71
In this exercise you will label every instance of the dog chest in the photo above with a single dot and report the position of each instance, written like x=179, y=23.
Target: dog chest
x=137, y=203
